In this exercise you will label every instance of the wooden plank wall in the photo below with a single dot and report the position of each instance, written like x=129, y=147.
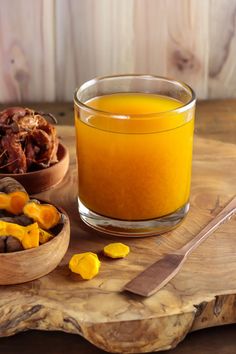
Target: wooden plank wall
x=49, y=47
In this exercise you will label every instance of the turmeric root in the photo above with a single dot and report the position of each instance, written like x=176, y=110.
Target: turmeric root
x=46, y=215
x=22, y=231
x=44, y=236
x=116, y=250
x=22, y=220
x=31, y=238
x=13, y=196
x=86, y=264
x=2, y=244
x=16, y=242
x=12, y=244
x=27, y=235
x=9, y=185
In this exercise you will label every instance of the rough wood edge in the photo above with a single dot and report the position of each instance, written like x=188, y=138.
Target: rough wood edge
x=137, y=336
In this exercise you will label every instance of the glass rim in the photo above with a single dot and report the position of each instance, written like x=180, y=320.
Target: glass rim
x=89, y=83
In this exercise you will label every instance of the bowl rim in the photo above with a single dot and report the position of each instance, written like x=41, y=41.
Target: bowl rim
x=55, y=165
x=35, y=249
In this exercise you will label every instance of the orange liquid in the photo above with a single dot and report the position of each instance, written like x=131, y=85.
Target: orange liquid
x=137, y=168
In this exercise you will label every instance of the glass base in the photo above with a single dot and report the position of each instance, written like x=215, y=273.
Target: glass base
x=140, y=228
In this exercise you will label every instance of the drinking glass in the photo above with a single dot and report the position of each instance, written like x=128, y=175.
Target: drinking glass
x=134, y=137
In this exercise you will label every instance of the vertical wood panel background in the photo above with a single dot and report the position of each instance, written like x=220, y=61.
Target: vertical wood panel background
x=93, y=38
x=49, y=47
x=27, y=47
x=222, y=56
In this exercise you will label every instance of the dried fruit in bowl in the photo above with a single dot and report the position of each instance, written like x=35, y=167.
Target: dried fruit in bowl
x=27, y=140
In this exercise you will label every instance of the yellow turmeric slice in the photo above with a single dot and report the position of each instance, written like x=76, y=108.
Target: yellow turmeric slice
x=17, y=202
x=13, y=195
x=116, y=250
x=46, y=215
x=44, y=236
x=13, y=202
x=27, y=235
x=85, y=264
x=77, y=257
x=31, y=238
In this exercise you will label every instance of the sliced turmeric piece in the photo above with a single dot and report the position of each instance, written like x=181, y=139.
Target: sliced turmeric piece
x=85, y=264
x=27, y=235
x=46, y=215
x=13, y=196
x=77, y=257
x=44, y=236
x=31, y=237
x=116, y=250
x=17, y=202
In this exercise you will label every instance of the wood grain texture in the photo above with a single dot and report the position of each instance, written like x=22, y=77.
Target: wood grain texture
x=187, y=43
x=158, y=274
x=26, y=50
x=150, y=40
x=208, y=341
x=222, y=41
x=94, y=38
x=201, y=295
x=170, y=42
x=48, y=48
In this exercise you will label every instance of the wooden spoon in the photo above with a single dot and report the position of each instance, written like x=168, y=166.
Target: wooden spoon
x=161, y=272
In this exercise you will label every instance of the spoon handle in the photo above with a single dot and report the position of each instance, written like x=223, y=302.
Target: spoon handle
x=161, y=272
x=226, y=213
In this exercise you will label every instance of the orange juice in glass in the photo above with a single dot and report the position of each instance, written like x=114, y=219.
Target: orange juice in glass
x=134, y=150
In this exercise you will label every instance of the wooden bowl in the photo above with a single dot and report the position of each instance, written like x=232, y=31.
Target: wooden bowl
x=41, y=180
x=22, y=266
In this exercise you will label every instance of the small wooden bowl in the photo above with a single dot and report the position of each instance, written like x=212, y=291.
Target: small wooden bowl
x=23, y=266
x=41, y=180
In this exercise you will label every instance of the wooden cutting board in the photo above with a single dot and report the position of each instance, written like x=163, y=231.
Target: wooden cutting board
x=203, y=294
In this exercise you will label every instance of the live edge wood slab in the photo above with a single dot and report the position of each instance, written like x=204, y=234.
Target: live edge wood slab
x=203, y=294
